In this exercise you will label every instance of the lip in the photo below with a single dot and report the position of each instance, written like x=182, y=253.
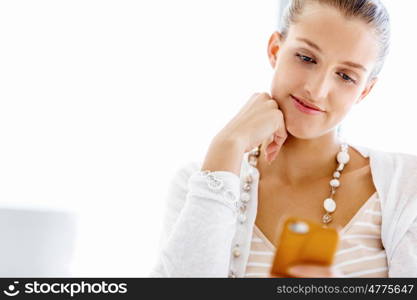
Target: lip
x=303, y=108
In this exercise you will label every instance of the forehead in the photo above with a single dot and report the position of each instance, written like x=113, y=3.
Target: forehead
x=338, y=37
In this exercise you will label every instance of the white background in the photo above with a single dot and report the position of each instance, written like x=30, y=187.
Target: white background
x=101, y=101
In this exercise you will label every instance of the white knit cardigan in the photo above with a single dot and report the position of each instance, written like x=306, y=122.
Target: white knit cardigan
x=201, y=227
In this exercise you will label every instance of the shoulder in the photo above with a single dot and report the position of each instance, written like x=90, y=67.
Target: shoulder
x=398, y=176
x=404, y=177
x=392, y=170
x=402, y=164
x=405, y=159
x=387, y=162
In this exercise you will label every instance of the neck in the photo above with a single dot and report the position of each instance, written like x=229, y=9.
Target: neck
x=302, y=161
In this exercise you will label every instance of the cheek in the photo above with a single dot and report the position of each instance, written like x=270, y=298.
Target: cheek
x=285, y=80
x=338, y=111
x=288, y=71
x=343, y=104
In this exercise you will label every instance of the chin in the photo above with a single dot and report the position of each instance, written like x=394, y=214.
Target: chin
x=300, y=126
x=303, y=132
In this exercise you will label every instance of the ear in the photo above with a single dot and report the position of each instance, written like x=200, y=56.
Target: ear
x=367, y=89
x=274, y=44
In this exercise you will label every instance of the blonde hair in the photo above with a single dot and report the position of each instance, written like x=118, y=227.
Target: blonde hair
x=373, y=12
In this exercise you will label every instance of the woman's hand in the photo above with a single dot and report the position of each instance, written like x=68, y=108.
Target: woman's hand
x=260, y=120
x=312, y=271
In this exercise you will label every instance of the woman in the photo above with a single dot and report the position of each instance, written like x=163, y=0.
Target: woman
x=222, y=217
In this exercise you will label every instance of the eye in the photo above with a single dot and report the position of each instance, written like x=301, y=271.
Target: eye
x=347, y=78
x=304, y=58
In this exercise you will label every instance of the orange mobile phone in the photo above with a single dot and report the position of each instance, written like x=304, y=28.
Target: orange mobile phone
x=304, y=241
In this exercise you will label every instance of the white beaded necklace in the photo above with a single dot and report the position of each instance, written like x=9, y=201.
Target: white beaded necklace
x=329, y=204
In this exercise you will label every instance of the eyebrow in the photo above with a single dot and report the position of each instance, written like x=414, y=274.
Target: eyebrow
x=349, y=63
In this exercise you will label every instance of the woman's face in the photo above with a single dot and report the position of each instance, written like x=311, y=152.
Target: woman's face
x=324, y=78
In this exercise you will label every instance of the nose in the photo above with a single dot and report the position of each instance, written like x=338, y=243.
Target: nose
x=318, y=86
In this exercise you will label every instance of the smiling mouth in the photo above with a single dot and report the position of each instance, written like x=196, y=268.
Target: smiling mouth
x=306, y=105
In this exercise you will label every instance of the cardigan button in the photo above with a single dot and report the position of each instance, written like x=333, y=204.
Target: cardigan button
x=245, y=197
x=242, y=218
x=232, y=274
x=236, y=252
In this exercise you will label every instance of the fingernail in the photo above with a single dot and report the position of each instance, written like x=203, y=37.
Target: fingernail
x=294, y=269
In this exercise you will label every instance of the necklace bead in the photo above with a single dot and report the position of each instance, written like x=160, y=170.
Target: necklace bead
x=327, y=218
x=340, y=167
x=335, y=183
x=329, y=204
x=343, y=157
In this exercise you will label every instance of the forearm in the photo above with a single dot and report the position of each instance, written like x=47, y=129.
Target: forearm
x=224, y=154
x=200, y=242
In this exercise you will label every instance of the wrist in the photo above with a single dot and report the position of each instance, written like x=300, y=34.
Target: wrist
x=230, y=141
x=225, y=154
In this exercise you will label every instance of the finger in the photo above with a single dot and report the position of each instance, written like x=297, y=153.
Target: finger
x=274, y=154
x=313, y=271
x=273, y=148
x=249, y=103
x=272, y=151
x=280, y=136
x=275, y=276
x=264, y=96
x=268, y=143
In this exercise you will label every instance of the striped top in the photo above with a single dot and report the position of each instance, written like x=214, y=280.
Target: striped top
x=360, y=252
